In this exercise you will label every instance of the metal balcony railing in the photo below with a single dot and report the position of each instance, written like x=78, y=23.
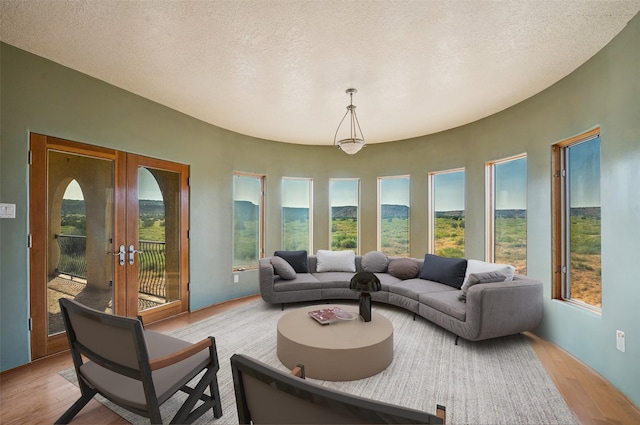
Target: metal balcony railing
x=151, y=266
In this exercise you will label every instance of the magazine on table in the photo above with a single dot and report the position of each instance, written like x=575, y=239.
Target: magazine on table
x=324, y=316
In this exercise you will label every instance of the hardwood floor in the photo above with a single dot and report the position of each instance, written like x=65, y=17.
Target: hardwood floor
x=36, y=394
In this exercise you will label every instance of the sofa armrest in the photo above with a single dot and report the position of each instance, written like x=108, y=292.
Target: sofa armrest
x=266, y=278
x=504, y=308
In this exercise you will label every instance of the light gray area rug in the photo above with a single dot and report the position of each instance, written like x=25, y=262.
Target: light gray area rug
x=499, y=381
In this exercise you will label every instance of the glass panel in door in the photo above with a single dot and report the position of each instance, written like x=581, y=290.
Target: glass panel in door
x=79, y=259
x=158, y=237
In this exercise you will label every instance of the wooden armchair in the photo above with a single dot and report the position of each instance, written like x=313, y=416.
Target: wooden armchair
x=138, y=369
x=267, y=395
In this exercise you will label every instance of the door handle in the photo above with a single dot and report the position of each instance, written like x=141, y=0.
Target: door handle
x=132, y=251
x=119, y=253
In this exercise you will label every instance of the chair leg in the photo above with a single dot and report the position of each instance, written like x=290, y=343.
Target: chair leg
x=215, y=394
x=186, y=414
x=75, y=408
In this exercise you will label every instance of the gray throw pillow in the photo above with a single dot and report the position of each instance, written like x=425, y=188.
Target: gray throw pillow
x=375, y=262
x=283, y=268
x=476, y=278
x=404, y=268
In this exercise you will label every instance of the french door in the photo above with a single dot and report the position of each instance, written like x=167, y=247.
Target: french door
x=108, y=229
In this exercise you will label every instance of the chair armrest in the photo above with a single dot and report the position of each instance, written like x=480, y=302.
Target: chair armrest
x=178, y=356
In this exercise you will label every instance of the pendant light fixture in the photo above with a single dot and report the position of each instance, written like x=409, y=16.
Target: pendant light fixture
x=352, y=143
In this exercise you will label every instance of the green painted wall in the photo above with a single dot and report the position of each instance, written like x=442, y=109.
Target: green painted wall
x=41, y=96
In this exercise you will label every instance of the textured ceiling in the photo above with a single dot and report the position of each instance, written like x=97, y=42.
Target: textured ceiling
x=278, y=69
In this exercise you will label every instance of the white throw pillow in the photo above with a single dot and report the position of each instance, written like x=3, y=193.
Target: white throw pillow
x=336, y=261
x=477, y=266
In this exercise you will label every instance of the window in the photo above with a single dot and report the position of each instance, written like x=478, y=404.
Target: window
x=576, y=220
x=446, y=212
x=393, y=215
x=344, y=198
x=248, y=220
x=297, y=220
x=507, y=212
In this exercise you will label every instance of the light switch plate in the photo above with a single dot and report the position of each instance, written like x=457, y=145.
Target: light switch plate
x=7, y=210
x=620, y=340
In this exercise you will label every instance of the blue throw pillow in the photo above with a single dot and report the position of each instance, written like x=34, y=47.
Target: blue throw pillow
x=449, y=271
x=297, y=259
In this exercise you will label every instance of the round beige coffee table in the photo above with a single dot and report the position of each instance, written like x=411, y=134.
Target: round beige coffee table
x=341, y=351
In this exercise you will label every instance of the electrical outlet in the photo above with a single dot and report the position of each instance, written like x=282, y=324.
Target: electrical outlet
x=620, y=340
x=236, y=278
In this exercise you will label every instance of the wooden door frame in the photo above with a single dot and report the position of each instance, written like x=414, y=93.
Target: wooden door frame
x=41, y=343
x=133, y=163
x=125, y=292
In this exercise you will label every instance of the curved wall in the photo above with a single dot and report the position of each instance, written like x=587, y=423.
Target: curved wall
x=44, y=97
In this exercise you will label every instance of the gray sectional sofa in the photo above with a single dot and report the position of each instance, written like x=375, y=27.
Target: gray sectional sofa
x=491, y=309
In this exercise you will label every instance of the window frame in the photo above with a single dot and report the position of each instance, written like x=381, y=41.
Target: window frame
x=261, y=217
x=379, y=212
x=357, y=180
x=560, y=251
x=310, y=180
x=431, y=228
x=490, y=203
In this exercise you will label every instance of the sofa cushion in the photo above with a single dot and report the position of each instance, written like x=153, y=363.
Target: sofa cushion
x=450, y=271
x=297, y=259
x=282, y=268
x=446, y=302
x=477, y=266
x=375, y=262
x=475, y=278
x=303, y=281
x=334, y=279
x=387, y=280
x=412, y=288
x=336, y=261
x=403, y=268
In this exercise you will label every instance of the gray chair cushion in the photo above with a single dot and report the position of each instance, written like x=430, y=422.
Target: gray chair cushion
x=127, y=391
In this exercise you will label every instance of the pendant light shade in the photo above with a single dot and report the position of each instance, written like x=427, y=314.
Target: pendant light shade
x=353, y=141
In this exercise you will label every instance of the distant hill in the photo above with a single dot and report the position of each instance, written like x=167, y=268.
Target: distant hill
x=388, y=211
x=73, y=206
x=586, y=212
x=149, y=207
x=245, y=210
x=394, y=211
x=77, y=207
x=295, y=214
x=450, y=214
x=346, y=212
x=511, y=213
